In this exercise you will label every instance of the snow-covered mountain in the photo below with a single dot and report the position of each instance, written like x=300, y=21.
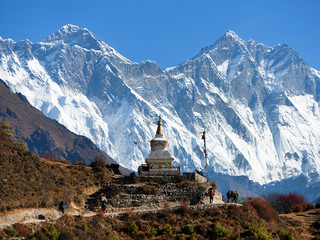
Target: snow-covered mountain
x=259, y=105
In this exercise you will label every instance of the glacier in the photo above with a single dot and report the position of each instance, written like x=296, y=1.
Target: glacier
x=258, y=104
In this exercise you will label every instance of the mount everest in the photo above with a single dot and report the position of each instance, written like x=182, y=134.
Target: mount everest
x=259, y=105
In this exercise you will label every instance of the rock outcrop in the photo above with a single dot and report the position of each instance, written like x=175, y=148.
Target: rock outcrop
x=153, y=195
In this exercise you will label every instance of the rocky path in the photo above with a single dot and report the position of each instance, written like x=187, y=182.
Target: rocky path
x=36, y=215
x=31, y=215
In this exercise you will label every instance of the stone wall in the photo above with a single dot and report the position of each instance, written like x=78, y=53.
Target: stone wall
x=161, y=179
x=192, y=176
x=155, y=195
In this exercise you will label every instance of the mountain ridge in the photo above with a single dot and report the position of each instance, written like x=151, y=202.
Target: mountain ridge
x=259, y=104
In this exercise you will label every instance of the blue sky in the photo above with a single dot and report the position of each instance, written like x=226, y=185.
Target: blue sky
x=169, y=31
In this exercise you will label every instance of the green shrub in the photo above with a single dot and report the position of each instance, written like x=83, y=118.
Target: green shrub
x=285, y=235
x=39, y=235
x=153, y=232
x=84, y=226
x=111, y=236
x=22, y=144
x=133, y=228
x=66, y=235
x=219, y=231
x=257, y=231
x=12, y=232
x=245, y=207
x=189, y=229
x=5, y=131
x=167, y=229
x=52, y=233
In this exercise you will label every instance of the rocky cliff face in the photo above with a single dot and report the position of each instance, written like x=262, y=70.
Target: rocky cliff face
x=258, y=104
x=45, y=136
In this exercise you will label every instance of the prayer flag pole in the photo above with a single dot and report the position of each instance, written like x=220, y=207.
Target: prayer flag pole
x=205, y=152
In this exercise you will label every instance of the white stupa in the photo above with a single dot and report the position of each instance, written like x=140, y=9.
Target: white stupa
x=159, y=160
x=159, y=154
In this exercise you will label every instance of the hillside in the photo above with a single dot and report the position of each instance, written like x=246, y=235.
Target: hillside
x=27, y=181
x=45, y=136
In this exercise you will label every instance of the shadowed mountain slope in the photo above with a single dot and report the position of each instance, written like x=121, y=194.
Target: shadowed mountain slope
x=44, y=135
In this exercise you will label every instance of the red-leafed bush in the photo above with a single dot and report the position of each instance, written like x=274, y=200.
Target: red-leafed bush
x=294, y=198
x=302, y=207
x=22, y=230
x=264, y=210
x=283, y=202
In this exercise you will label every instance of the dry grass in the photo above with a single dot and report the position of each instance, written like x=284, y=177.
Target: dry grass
x=28, y=181
x=305, y=224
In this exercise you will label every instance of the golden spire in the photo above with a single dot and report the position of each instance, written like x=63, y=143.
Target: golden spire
x=159, y=129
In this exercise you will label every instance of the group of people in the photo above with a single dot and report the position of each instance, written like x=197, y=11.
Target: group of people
x=201, y=195
x=232, y=196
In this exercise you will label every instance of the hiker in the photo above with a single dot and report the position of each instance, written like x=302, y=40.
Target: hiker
x=104, y=203
x=200, y=197
x=211, y=193
x=231, y=196
x=62, y=206
x=235, y=197
x=228, y=196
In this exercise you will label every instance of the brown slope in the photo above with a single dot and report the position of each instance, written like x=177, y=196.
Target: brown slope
x=42, y=134
x=27, y=181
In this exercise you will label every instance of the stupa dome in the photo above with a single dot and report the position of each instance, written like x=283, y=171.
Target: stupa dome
x=159, y=148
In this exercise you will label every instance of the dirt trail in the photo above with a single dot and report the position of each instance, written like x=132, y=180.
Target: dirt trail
x=31, y=215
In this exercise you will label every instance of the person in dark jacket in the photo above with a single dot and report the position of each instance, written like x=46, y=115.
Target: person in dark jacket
x=235, y=197
x=62, y=206
x=211, y=193
x=104, y=203
x=228, y=196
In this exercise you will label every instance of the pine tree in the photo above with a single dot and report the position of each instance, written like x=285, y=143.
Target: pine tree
x=22, y=144
x=5, y=131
